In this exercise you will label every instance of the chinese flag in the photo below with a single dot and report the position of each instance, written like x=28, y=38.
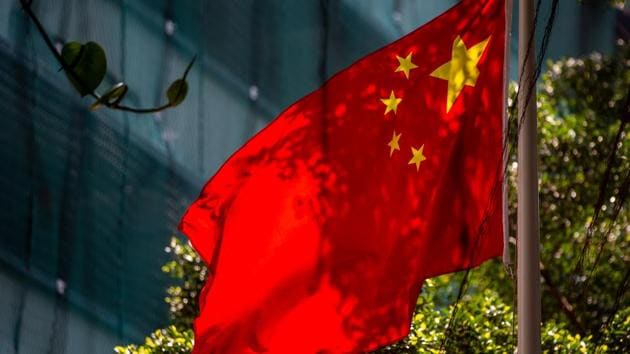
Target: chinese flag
x=320, y=230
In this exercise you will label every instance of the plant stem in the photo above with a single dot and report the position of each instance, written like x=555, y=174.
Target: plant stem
x=26, y=6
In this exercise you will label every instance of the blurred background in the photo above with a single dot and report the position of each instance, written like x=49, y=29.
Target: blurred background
x=89, y=200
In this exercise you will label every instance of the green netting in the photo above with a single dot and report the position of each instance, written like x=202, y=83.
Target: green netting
x=89, y=200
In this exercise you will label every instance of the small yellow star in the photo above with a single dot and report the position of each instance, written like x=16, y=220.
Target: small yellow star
x=405, y=65
x=393, y=144
x=461, y=70
x=391, y=103
x=418, y=157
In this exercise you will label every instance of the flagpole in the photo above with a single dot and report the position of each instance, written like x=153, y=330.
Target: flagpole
x=528, y=239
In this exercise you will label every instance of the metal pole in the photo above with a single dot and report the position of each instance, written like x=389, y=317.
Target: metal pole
x=528, y=239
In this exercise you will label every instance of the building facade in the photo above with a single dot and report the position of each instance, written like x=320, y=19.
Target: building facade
x=90, y=199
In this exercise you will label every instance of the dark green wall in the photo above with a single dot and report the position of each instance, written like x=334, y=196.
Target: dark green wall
x=89, y=200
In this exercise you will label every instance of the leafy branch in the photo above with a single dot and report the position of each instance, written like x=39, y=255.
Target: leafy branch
x=85, y=66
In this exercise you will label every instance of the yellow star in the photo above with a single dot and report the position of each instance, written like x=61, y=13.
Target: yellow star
x=393, y=144
x=391, y=103
x=461, y=70
x=405, y=65
x=417, y=157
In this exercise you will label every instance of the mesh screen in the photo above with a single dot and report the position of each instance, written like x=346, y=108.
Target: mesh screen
x=89, y=200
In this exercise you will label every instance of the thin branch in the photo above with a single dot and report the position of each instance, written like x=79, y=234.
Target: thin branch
x=565, y=305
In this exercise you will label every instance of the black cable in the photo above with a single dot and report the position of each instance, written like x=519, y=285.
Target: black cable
x=201, y=114
x=621, y=197
x=602, y=193
x=530, y=44
x=323, y=69
x=506, y=148
x=619, y=202
x=258, y=45
x=540, y=58
x=323, y=60
x=514, y=304
x=122, y=187
x=26, y=101
x=463, y=286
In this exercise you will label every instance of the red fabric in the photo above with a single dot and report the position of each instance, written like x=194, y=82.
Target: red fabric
x=317, y=239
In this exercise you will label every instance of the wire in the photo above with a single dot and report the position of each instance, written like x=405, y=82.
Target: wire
x=499, y=181
x=601, y=196
x=323, y=68
x=620, y=200
x=621, y=291
x=463, y=287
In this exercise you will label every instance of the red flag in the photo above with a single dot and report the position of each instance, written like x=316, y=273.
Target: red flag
x=320, y=230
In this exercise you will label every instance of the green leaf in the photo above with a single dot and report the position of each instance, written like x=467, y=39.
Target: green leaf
x=71, y=53
x=111, y=97
x=177, y=92
x=87, y=63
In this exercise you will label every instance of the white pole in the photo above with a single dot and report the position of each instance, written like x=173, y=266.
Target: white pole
x=528, y=239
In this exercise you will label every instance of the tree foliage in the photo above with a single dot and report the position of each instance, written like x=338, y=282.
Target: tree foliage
x=190, y=273
x=585, y=309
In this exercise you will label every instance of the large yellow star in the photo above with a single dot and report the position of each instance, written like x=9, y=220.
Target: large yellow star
x=405, y=65
x=417, y=157
x=391, y=103
x=461, y=70
x=393, y=144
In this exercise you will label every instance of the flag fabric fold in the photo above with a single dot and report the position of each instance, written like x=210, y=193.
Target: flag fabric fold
x=320, y=230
